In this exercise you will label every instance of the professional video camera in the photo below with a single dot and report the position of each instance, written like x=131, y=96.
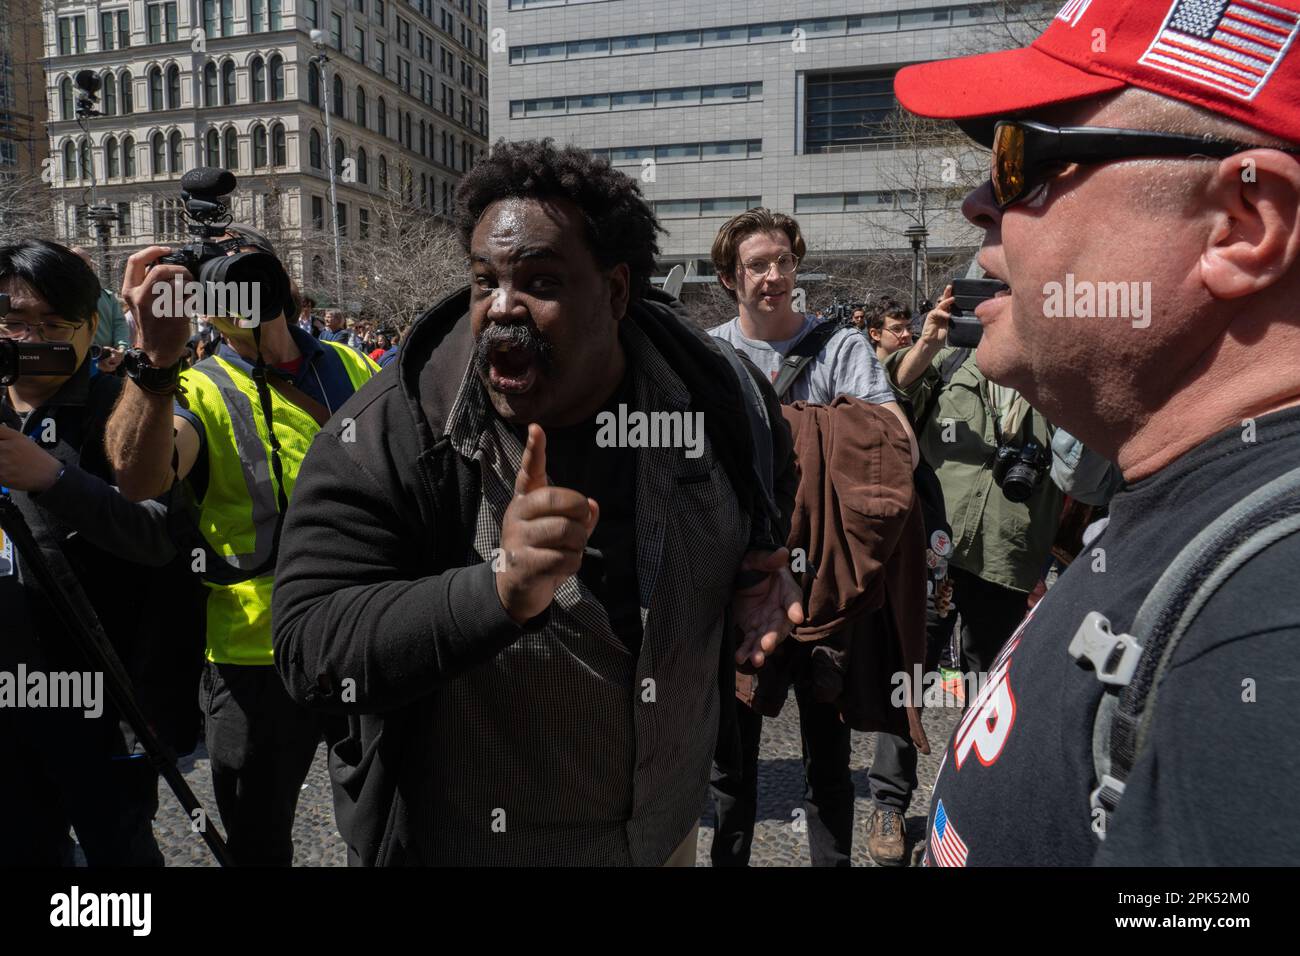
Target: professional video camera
x=32, y=358
x=205, y=190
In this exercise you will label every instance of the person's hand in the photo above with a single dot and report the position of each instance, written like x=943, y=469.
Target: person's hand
x=543, y=535
x=765, y=612
x=163, y=332
x=109, y=359
x=25, y=465
x=934, y=333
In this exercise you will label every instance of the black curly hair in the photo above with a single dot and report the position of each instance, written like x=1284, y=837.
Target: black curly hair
x=621, y=227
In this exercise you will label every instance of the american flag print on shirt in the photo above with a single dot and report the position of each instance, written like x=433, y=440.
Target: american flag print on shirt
x=946, y=847
x=1232, y=46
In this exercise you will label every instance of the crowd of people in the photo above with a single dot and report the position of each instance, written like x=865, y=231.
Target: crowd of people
x=531, y=631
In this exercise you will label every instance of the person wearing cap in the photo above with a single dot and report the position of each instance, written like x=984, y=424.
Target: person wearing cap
x=208, y=427
x=1155, y=144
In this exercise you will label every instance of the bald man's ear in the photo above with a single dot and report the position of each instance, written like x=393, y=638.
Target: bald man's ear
x=1255, y=240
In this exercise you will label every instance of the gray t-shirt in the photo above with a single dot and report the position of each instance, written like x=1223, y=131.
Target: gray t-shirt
x=846, y=365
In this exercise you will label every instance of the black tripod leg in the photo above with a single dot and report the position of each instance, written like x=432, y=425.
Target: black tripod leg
x=77, y=615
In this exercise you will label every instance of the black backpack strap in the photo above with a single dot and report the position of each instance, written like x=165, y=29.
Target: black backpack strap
x=1133, y=666
x=953, y=362
x=797, y=359
x=760, y=428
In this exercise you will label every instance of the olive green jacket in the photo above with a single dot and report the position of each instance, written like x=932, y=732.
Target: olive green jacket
x=998, y=540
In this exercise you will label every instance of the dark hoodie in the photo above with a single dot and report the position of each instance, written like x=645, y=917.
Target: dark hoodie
x=383, y=500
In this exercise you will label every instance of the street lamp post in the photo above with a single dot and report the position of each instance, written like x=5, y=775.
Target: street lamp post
x=102, y=215
x=917, y=234
x=322, y=58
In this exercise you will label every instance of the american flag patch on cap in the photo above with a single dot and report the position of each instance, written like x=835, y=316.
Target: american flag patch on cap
x=1232, y=46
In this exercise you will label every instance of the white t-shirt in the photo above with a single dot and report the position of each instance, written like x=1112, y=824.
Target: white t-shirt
x=846, y=365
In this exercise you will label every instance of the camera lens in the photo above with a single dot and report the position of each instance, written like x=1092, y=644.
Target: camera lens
x=252, y=269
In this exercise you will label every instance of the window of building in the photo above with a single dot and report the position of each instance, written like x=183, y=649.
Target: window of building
x=161, y=22
x=336, y=31
x=72, y=35
x=383, y=173
x=317, y=213
x=212, y=144
x=112, y=164
x=360, y=115
x=341, y=216
x=108, y=92
x=67, y=102
x=228, y=83
x=279, y=155
x=312, y=11
x=256, y=16
x=173, y=87
x=126, y=93
x=168, y=219
x=210, y=85
x=260, y=143
x=363, y=223
x=69, y=162
x=257, y=73
x=338, y=157
x=363, y=168
x=276, y=14
x=847, y=109
x=155, y=89
x=277, y=77
x=314, y=150
x=231, y=152
x=381, y=114
x=158, y=154
x=174, y=163
x=128, y=157
x=359, y=44
x=313, y=84
x=381, y=57
x=336, y=101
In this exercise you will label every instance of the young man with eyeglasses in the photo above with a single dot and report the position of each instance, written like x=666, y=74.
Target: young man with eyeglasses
x=1170, y=155
x=756, y=255
x=70, y=766
x=888, y=323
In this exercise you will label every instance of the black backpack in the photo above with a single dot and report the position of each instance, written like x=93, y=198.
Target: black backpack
x=1132, y=666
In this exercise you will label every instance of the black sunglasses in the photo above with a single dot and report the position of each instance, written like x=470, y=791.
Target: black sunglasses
x=1023, y=151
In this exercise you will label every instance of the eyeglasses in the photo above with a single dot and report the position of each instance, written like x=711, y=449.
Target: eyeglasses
x=1024, y=152
x=903, y=333
x=45, y=331
x=759, y=268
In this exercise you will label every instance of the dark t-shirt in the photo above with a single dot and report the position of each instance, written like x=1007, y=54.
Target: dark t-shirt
x=607, y=475
x=1218, y=778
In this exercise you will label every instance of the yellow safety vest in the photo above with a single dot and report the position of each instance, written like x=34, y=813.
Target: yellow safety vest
x=238, y=513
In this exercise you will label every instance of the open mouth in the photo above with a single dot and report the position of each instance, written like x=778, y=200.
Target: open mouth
x=512, y=368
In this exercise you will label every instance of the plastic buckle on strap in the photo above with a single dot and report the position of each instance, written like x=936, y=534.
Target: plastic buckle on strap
x=1105, y=799
x=1095, y=642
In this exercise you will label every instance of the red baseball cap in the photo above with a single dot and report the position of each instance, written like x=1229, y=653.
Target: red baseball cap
x=1236, y=58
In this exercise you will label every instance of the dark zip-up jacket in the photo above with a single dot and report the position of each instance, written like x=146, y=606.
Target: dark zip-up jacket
x=384, y=501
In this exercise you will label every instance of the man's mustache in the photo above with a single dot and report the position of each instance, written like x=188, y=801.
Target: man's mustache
x=519, y=335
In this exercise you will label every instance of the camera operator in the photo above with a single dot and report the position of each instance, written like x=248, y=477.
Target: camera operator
x=62, y=767
x=215, y=439
x=964, y=422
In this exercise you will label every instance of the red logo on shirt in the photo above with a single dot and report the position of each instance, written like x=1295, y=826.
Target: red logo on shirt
x=987, y=724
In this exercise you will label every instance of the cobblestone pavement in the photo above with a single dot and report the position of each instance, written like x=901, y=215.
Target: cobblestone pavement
x=780, y=791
